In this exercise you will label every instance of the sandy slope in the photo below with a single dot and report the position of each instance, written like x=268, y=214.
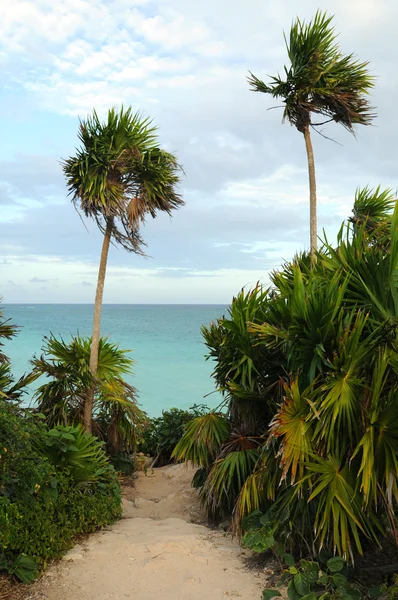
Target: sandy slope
x=157, y=551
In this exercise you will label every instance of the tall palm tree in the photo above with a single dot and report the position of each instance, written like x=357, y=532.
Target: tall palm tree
x=118, y=176
x=320, y=80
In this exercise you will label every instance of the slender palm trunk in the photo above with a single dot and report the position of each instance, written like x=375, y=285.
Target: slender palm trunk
x=89, y=400
x=311, y=173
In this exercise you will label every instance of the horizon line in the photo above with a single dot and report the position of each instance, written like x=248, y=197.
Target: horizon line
x=116, y=303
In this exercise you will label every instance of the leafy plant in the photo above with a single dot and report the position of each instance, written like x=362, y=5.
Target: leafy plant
x=202, y=439
x=72, y=448
x=163, y=433
x=117, y=418
x=23, y=567
x=49, y=492
x=311, y=389
x=310, y=581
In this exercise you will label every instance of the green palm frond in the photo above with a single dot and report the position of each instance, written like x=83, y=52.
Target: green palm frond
x=7, y=332
x=373, y=206
x=261, y=487
x=225, y=480
x=338, y=508
x=293, y=428
x=120, y=173
x=202, y=439
x=320, y=79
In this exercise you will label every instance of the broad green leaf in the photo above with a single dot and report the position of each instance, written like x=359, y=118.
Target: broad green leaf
x=289, y=560
x=301, y=584
x=292, y=592
x=335, y=564
x=339, y=580
x=269, y=594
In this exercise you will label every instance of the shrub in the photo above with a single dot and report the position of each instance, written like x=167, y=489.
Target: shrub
x=309, y=369
x=48, y=498
x=162, y=433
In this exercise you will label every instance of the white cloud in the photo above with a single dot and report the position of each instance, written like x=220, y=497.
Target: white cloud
x=127, y=283
x=184, y=64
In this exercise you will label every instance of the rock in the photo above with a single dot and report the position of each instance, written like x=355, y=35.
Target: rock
x=142, y=502
x=77, y=553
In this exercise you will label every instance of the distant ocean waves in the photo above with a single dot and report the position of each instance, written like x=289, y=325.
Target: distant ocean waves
x=167, y=345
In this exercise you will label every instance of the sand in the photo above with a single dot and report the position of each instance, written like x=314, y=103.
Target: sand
x=158, y=550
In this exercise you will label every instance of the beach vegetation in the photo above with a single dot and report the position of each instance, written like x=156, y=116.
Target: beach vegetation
x=117, y=418
x=55, y=483
x=317, y=361
x=161, y=434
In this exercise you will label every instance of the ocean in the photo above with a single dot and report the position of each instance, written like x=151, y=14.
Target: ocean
x=167, y=346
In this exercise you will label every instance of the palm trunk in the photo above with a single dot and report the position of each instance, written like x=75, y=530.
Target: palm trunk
x=311, y=174
x=89, y=400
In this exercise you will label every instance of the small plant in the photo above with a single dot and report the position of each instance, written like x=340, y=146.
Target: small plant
x=23, y=567
x=310, y=581
x=81, y=453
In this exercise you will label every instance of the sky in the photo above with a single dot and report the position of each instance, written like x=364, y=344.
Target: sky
x=183, y=64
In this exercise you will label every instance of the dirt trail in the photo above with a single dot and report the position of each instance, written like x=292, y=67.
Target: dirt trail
x=158, y=550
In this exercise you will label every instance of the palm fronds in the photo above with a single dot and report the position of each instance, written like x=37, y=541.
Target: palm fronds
x=117, y=416
x=320, y=80
x=202, y=439
x=121, y=173
x=319, y=454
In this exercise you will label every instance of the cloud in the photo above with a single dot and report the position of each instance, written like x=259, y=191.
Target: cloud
x=86, y=284
x=185, y=65
x=37, y=280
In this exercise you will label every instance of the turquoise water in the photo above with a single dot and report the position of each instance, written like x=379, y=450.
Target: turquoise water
x=167, y=345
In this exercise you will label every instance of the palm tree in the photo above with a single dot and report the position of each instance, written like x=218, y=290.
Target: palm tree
x=319, y=81
x=118, y=177
x=117, y=418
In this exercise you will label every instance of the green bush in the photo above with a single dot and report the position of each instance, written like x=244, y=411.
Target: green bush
x=309, y=369
x=81, y=453
x=162, y=433
x=48, y=498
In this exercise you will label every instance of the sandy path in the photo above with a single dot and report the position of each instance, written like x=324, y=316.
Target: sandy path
x=156, y=551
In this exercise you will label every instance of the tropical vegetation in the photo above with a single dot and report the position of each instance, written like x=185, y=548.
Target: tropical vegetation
x=309, y=370
x=117, y=418
x=55, y=482
x=320, y=80
x=161, y=434
x=118, y=177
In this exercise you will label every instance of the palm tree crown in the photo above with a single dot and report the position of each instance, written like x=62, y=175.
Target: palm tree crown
x=320, y=79
x=120, y=173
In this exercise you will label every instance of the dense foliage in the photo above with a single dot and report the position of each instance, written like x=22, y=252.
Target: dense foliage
x=162, y=433
x=310, y=372
x=54, y=482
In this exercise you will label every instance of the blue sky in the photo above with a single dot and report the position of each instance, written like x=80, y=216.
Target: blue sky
x=183, y=64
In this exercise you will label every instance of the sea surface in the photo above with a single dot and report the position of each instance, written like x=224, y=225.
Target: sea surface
x=167, y=346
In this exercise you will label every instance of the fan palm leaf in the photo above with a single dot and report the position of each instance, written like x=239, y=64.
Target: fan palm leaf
x=202, y=440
